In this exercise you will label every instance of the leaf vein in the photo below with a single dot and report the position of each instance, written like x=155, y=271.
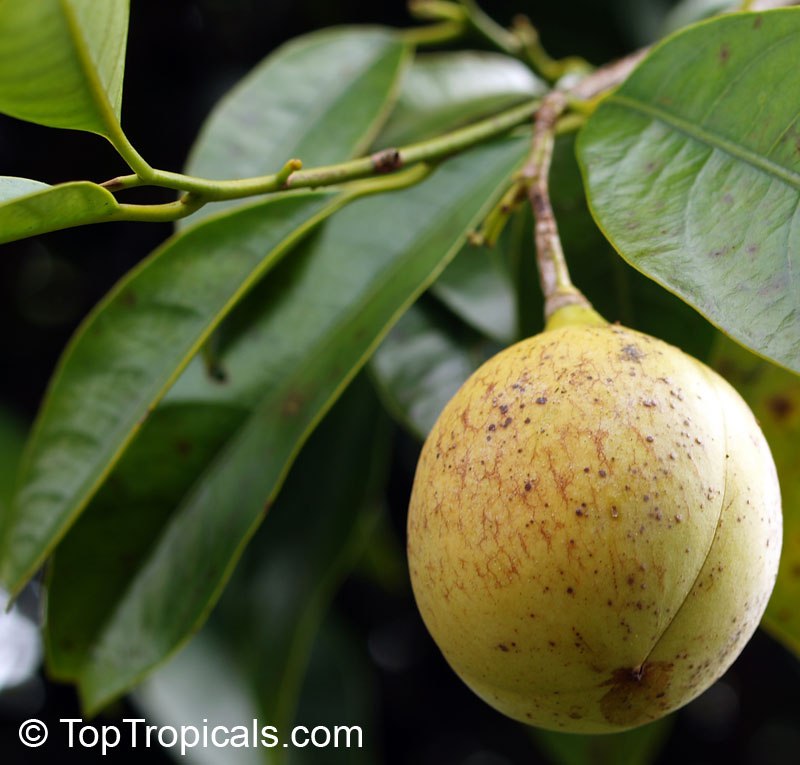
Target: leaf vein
x=714, y=140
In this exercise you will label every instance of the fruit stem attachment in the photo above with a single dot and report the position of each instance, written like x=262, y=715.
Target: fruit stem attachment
x=557, y=287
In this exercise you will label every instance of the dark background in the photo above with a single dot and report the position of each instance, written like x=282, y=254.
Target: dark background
x=182, y=55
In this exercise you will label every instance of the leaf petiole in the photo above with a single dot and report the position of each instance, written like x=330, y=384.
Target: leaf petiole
x=291, y=177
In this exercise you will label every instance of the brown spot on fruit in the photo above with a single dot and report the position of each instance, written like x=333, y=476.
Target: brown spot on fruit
x=631, y=352
x=636, y=693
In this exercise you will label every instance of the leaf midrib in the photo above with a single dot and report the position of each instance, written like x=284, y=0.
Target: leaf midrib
x=106, y=111
x=710, y=139
x=338, y=327
x=124, y=433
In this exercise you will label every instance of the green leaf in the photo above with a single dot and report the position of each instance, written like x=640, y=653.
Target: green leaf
x=28, y=208
x=128, y=353
x=319, y=98
x=616, y=290
x=264, y=630
x=184, y=290
x=12, y=439
x=309, y=328
x=639, y=746
x=774, y=396
x=423, y=361
x=442, y=91
x=98, y=558
x=62, y=62
x=693, y=171
x=477, y=286
x=320, y=524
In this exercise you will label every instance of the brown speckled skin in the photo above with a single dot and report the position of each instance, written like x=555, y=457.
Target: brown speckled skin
x=594, y=529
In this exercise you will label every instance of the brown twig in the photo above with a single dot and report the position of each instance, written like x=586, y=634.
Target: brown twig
x=557, y=286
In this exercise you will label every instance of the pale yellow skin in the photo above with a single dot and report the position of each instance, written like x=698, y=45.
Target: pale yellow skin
x=594, y=529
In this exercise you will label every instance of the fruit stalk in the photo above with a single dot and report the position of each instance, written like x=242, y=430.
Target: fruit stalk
x=557, y=287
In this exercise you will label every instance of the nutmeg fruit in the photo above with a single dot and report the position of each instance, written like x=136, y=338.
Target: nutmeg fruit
x=594, y=528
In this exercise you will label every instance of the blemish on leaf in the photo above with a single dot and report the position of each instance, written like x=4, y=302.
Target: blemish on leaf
x=780, y=406
x=724, y=53
x=293, y=403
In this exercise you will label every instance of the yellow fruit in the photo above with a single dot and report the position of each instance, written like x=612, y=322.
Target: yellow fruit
x=594, y=529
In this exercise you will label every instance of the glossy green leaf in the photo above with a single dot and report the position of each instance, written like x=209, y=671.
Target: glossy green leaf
x=100, y=555
x=477, y=286
x=639, y=746
x=309, y=328
x=28, y=208
x=319, y=98
x=442, y=91
x=127, y=354
x=264, y=630
x=774, y=396
x=693, y=171
x=62, y=62
x=423, y=361
x=12, y=439
x=318, y=528
x=183, y=291
x=617, y=291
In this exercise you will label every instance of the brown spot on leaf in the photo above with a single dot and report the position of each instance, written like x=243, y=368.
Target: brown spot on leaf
x=636, y=693
x=780, y=406
x=293, y=403
x=724, y=53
